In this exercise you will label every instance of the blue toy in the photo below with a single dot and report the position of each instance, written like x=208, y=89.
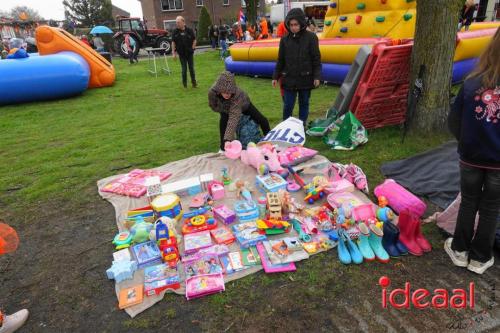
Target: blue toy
x=122, y=270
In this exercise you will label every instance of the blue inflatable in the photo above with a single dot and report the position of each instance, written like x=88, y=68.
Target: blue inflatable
x=331, y=73
x=59, y=75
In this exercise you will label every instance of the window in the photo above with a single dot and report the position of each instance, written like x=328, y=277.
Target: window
x=126, y=25
x=225, y=2
x=171, y=5
x=199, y=3
x=169, y=25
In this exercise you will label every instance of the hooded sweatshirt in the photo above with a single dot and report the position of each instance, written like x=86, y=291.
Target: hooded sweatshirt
x=299, y=59
x=233, y=106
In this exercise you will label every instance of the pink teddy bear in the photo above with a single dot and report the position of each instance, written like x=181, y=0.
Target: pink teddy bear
x=254, y=155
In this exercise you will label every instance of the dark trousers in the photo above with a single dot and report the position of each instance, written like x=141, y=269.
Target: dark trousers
x=289, y=98
x=132, y=56
x=480, y=190
x=251, y=111
x=187, y=60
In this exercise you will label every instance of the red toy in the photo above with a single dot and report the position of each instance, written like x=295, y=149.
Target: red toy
x=169, y=251
x=198, y=223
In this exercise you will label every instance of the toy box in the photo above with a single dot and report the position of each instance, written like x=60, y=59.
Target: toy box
x=202, y=285
x=146, y=253
x=216, y=190
x=286, y=250
x=201, y=264
x=160, y=277
x=205, y=179
x=270, y=183
x=246, y=210
x=224, y=214
x=185, y=187
x=222, y=235
x=247, y=234
x=196, y=241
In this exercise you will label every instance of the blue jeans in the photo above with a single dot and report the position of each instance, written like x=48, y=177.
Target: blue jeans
x=289, y=103
x=223, y=46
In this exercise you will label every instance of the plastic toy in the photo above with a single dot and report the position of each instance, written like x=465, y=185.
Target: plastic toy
x=314, y=194
x=270, y=183
x=122, y=270
x=140, y=231
x=303, y=236
x=272, y=226
x=224, y=214
x=198, y=223
x=243, y=191
x=363, y=212
x=225, y=176
x=274, y=205
x=199, y=211
x=246, y=210
x=160, y=277
x=262, y=204
x=292, y=186
x=382, y=201
x=216, y=190
x=296, y=176
x=399, y=198
x=385, y=214
x=196, y=241
x=168, y=205
x=263, y=169
x=122, y=240
x=169, y=251
x=206, y=179
x=247, y=234
x=146, y=253
x=232, y=149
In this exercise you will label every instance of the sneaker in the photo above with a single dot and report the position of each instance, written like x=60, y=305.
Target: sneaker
x=480, y=267
x=13, y=322
x=459, y=259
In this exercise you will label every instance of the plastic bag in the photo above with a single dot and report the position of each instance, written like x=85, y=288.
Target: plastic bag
x=348, y=135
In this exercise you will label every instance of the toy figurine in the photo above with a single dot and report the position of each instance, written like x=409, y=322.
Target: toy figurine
x=242, y=190
x=225, y=176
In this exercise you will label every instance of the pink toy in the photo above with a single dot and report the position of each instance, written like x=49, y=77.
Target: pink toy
x=202, y=285
x=232, y=149
x=254, y=155
x=338, y=186
x=216, y=190
x=399, y=198
x=363, y=212
x=295, y=155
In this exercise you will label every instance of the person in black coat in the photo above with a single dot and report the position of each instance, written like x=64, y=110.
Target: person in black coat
x=467, y=15
x=299, y=64
x=184, y=44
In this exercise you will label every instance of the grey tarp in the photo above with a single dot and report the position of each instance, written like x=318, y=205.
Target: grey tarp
x=433, y=174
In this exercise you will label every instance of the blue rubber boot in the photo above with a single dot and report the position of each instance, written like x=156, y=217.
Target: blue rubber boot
x=364, y=244
x=356, y=255
x=401, y=247
x=344, y=255
x=375, y=240
x=391, y=235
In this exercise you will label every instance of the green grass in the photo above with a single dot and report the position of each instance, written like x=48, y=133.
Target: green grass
x=57, y=150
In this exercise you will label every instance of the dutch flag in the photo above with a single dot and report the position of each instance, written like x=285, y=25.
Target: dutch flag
x=243, y=18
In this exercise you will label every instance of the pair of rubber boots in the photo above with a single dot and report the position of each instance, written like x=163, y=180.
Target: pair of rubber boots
x=410, y=234
x=367, y=248
x=391, y=241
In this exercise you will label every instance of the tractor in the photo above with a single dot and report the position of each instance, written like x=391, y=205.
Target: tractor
x=143, y=36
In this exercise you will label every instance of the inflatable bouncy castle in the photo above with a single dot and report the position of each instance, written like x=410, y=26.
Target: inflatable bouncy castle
x=64, y=67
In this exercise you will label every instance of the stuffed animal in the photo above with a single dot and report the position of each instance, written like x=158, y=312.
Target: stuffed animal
x=254, y=155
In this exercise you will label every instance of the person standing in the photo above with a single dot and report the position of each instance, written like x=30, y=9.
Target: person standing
x=130, y=42
x=264, y=30
x=299, y=64
x=467, y=15
x=183, y=45
x=281, y=30
x=212, y=35
x=223, y=35
x=98, y=43
x=474, y=120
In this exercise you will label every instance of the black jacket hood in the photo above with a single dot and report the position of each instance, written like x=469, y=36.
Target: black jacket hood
x=297, y=14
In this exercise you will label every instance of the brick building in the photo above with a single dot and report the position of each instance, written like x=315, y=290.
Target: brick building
x=161, y=14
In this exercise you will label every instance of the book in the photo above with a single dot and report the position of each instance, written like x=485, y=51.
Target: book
x=236, y=260
x=130, y=296
x=222, y=235
x=250, y=256
x=269, y=267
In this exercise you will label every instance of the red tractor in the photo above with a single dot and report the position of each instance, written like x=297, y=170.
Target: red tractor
x=143, y=36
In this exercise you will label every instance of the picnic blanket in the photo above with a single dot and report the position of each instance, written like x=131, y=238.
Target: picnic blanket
x=190, y=167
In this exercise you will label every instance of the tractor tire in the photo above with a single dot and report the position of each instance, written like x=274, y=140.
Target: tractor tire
x=121, y=47
x=164, y=43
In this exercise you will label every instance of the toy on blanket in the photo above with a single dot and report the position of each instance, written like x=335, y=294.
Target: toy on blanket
x=272, y=226
x=351, y=173
x=254, y=155
x=165, y=236
x=122, y=270
x=295, y=155
x=216, y=190
x=198, y=223
x=140, y=231
x=168, y=205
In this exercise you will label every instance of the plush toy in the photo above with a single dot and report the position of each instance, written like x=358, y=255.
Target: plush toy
x=254, y=155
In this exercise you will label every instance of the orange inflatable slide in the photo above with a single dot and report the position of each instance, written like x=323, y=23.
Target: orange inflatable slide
x=52, y=40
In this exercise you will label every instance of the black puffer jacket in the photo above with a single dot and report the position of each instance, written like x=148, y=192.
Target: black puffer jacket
x=299, y=59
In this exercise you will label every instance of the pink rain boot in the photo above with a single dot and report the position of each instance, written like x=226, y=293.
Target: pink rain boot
x=407, y=227
x=421, y=241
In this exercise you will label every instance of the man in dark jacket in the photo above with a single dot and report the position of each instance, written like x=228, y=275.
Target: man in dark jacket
x=299, y=64
x=183, y=44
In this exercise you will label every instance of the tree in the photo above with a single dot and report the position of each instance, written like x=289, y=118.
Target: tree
x=434, y=47
x=251, y=14
x=25, y=13
x=204, y=22
x=88, y=12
